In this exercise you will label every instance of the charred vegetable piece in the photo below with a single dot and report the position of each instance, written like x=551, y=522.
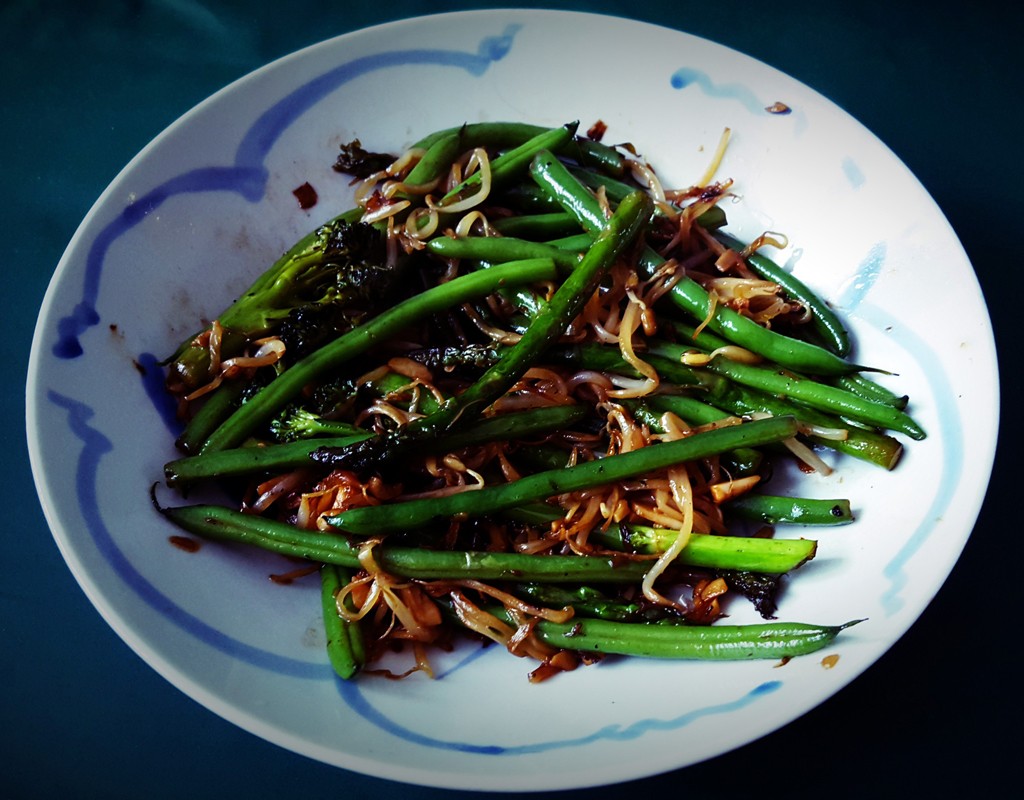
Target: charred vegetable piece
x=759, y=588
x=357, y=161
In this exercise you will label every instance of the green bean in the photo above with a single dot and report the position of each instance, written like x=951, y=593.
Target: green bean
x=824, y=320
x=483, y=134
x=817, y=395
x=776, y=510
x=345, y=649
x=443, y=149
x=544, y=457
x=734, y=553
x=689, y=409
x=605, y=358
x=768, y=640
x=739, y=553
x=525, y=198
x=512, y=134
x=537, y=226
x=865, y=444
x=295, y=455
x=871, y=390
x=615, y=189
x=538, y=486
x=495, y=135
x=577, y=242
x=649, y=412
x=689, y=295
x=287, y=386
x=503, y=135
x=538, y=514
x=791, y=353
x=249, y=459
x=220, y=523
x=545, y=327
x=219, y=405
x=499, y=249
x=689, y=337
x=511, y=164
x=436, y=161
x=511, y=425
x=861, y=442
x=722, y=553
x=555, y=178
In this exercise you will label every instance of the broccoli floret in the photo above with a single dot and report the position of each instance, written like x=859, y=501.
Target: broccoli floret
x=296, y=423
x=325, y=285
x=343, y=268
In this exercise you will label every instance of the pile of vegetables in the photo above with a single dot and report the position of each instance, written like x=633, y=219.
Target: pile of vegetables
x=523, y=391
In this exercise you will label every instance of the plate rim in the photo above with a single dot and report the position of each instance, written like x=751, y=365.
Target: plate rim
x=130, y=636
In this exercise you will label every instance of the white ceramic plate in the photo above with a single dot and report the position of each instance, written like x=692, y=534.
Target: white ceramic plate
x=209, y=204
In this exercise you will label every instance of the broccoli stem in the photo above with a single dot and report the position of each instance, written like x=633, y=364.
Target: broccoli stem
x=246, y=315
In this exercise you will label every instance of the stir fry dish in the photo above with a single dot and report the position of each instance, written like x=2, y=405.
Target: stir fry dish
x=525, y=393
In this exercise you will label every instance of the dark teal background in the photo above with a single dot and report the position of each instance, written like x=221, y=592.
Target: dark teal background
x=85, y=85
